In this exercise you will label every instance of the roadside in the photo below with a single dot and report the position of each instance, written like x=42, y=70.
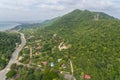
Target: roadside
x=13, y=58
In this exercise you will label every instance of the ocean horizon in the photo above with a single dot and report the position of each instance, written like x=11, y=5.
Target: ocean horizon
x=6, y=26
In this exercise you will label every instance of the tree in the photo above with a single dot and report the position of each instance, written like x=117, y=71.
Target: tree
x=11, y=73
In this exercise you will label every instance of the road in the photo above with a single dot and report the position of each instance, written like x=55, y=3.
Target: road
x=13, y=58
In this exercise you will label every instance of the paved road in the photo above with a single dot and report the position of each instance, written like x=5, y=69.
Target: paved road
x=13, y=58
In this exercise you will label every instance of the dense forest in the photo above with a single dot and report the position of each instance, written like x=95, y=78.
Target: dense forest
x=8, y=42
x=88, y=42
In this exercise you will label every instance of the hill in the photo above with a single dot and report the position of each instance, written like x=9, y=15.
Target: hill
x=87, y=40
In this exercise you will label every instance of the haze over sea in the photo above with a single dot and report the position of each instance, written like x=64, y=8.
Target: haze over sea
x=6, y=25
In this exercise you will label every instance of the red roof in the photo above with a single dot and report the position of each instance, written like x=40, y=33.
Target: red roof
x=44, y=63
x=87, y=76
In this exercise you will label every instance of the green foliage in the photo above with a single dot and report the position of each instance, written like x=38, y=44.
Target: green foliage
x=94, y=45
x=32, y=74
x=11, y=73
x=49, y=75
x=7, y=46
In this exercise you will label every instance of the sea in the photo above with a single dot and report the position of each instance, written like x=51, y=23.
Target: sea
x=7, y=25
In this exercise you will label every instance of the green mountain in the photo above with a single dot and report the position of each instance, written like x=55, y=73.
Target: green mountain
x=78, y=15
x=75, y=16
x=90, y=40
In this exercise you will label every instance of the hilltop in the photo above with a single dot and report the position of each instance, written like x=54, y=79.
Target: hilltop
x=74, y=16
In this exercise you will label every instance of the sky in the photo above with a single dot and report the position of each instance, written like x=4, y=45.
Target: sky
x=28, y=10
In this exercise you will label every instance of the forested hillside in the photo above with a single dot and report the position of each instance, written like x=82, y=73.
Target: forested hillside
x=89, y=41
x=7, y=46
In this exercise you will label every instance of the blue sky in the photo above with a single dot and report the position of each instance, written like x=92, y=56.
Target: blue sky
x=23, y=10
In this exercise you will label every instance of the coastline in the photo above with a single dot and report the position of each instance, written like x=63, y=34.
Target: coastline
x=15, y=28
x=10, y=28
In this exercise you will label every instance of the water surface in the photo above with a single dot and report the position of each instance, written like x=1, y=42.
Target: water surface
x=5, y=26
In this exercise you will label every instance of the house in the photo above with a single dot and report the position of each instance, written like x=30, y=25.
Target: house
x=52, y=64
x=31, y=37
x=87, y=76
x=39, y=65
x=62, y=46
x=26, y=47
x=39, y=47
x=36, y=53
x=44, y=63
x=54, y=35
x=63, y=66
x=20, y=58
x=59, y=60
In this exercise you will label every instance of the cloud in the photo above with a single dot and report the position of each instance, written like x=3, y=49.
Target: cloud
x=54, y=7
x=101, y=4
x=28, y=4
x=40, y=8
x=58, y=4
